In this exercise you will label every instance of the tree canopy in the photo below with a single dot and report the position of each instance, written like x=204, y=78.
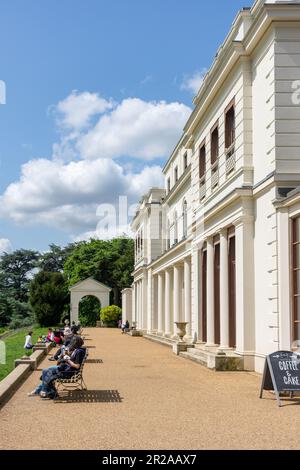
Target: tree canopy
x=48, y=297
x=110, y=262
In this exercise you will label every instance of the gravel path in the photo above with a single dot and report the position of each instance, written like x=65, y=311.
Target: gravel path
x=144, y=397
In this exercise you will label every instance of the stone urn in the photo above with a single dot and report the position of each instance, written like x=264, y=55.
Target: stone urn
x=181, y=329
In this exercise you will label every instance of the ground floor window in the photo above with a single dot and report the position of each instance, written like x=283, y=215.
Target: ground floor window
x=217, y=321
x=232, y=291
x=204, y=296
x=296, y=278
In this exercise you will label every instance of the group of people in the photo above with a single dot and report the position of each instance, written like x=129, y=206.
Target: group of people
x=57, y=337
x=68, y=358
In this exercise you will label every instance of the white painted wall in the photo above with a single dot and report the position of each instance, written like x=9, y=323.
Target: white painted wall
x=287, y=71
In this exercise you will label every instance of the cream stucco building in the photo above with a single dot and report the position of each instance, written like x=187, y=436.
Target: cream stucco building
x=219, y=245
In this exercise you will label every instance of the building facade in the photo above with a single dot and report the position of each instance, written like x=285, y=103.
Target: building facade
x=219, y=246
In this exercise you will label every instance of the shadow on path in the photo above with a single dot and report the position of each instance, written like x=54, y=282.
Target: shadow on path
x=89, y=396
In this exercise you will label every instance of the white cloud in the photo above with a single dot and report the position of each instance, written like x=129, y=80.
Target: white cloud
x=76, y=111
x=5, y=246
x=64, y=192
x=193, y=82
x=135, y=128
x=66, y=195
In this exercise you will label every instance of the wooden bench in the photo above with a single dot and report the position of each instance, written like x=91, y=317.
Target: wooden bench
x=76, y=381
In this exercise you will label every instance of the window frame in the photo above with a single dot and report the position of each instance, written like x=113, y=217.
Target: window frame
x=217, y=149
x=231, y=105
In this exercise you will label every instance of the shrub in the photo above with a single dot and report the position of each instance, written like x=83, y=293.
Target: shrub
x=110, y=315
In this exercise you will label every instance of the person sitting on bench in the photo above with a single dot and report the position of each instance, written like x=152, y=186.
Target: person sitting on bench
x=66, y=347
x=125, y=327
x=68, y=366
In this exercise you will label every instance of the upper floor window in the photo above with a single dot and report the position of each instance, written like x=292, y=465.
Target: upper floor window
x=175, y=228
x=202, y=161
x=229, y=126
x=214, y=144
x=230, y=138
x=184, y=218
x=168, y=235
x=169, y=185
x=185, y=161
x=176, y=174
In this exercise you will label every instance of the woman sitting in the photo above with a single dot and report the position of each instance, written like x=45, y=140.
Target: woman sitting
x=28, y=341
x=58, y=337
x=50, y=336
x=67, y=367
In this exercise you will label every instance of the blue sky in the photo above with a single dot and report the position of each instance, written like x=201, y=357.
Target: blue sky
x=123, y=57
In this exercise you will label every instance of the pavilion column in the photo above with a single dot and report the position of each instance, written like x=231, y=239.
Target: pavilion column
x=176, y=296
x=75, y=312
x=187, y=295
x=210, y=293
x=160, y=303
x=167, y=303
x=224, y=290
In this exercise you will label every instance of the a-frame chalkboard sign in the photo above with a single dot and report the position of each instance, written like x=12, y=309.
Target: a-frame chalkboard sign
x=281, y=373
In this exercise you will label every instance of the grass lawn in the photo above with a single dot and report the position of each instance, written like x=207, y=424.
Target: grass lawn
x=15, y=348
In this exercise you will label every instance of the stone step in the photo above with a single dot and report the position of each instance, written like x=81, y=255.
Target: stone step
x=160, y=339
x=228, y=362
x=197, y=352
x=194, y=357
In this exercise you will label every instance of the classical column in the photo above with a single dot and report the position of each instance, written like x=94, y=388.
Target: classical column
x=187, y=295
x=160, y=303
x=137, y=306
x=167, y=303
x=245, y=327
x=224, y=293
x=150, y=303
x=210, y=293
x=176, y=296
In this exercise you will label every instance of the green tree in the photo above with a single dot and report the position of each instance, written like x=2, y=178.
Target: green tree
x=16, y=269
x=89, y=308
x=107, y=261
x=54, y=259
x=48, y=297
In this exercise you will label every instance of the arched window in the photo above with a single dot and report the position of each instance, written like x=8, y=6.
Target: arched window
x=168, y=235
x=175, y=228
x=184, y=218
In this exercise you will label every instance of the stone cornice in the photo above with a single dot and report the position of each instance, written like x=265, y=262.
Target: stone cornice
x=180, y=183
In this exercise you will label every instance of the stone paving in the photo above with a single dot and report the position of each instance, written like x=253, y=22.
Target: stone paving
x=143, y=397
